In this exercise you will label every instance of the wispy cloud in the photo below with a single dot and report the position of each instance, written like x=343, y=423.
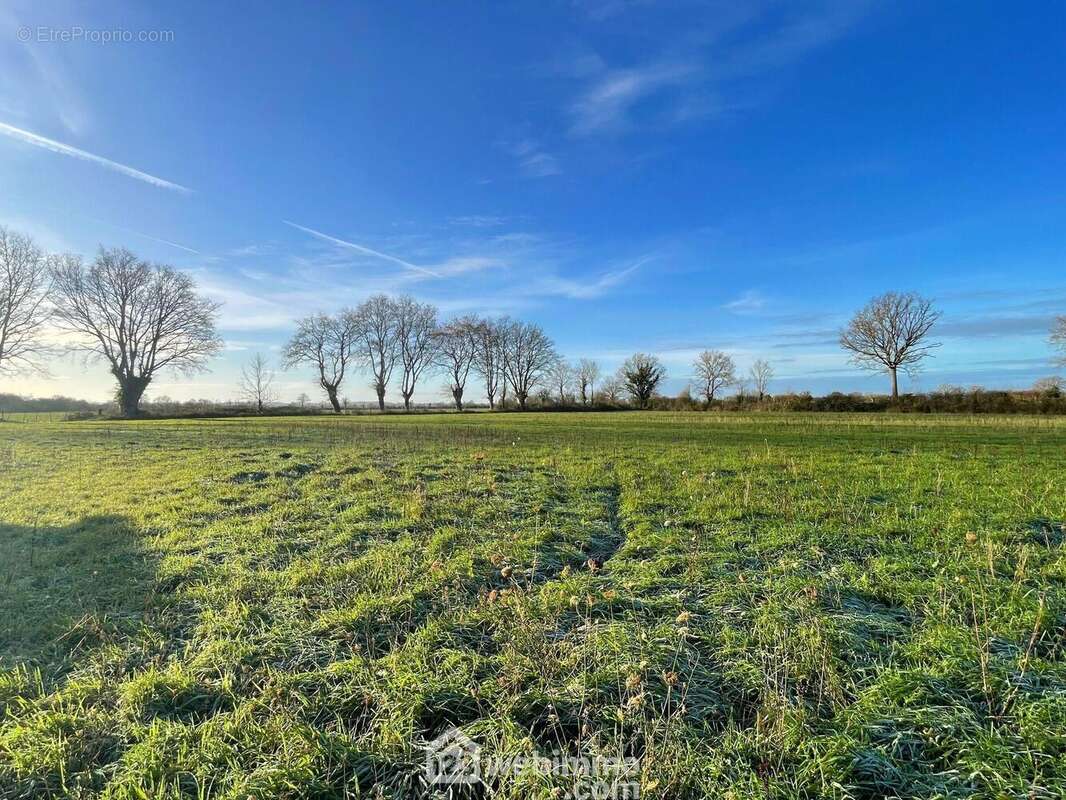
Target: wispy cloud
x=478, y=221
x=38, y=82
x=997, y=326
x=533, y=161
x=749, y=302
x=606, y=105
x=586, y=290
x=67, y=150
x=361, y=249
x=791, y=38
x=250, y=250
x=149, y=237
x=718, y=58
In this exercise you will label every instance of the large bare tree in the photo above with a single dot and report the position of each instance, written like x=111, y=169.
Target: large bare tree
x=891, y=333
x=714, y=370
x=24, y=284
x=457, y=343
x=488, y=356
x=257, y=383
x=527, y=354
x=761, y=374
x=139, y=317
x=327, y=343
x=588, y=372
x=416, y=328
x=1058, y=337
x=640, y=376
x=375, y=323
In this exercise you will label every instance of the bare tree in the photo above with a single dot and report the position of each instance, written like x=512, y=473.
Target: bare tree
x=561, y=374
x=640, y=376
x=416, y=328
x=326, y=343
x=488, y=356
x=24, y=285
x=611, y=390
x=890, y=333
x=257, y=382
x=527, y=354
x=1058, y=337
x=714, y=370
x=303, y=399
x=139, y=317
x=1053, y=384
x=457, y=343
x=375, y=325
x=761, y=374
x=588, y=372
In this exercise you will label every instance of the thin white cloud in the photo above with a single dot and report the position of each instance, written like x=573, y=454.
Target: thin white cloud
x=540, y=165
x=606, y=105
x=589, y=290
x=688, y=81
x=66, y=150
x=478, y=221
x=361, y=249
x=750, y=302
x=148, y=237
x=533, y=161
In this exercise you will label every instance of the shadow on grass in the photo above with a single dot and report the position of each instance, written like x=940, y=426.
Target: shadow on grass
x=64, y=590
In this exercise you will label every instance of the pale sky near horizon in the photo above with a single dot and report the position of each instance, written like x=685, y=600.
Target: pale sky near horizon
x=634, y=175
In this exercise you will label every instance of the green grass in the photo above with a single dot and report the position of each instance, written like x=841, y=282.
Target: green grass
x=760, y=606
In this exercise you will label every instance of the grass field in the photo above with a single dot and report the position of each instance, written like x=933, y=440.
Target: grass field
x=764, y=606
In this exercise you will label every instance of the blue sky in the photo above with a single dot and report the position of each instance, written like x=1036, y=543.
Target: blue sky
x=654, y=176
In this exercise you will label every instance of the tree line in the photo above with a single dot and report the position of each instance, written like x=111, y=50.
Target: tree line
x=140, y=318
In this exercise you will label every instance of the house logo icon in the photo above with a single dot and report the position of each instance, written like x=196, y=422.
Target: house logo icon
x=453, y=757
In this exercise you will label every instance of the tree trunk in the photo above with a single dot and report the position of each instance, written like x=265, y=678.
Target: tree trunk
x=259, y=405
x=331, y=392
x=895, y=387
x=406, y=401
x=521, y=400
x=381, y=397
x=457, y=395
x=130, y=391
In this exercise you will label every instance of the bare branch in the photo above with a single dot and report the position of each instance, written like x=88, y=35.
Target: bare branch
x=416, y=324
x=1058, y=337
x=562, y=376
x=588, y=372
x=715, y=370
x=326, y=343
x=527, y=354
x=761, y=374
x=488, y=356
x=139, y=317
x=457, y=343
x=891, y=333
x=24, y=287
x=257, y=381
x=378, y=347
